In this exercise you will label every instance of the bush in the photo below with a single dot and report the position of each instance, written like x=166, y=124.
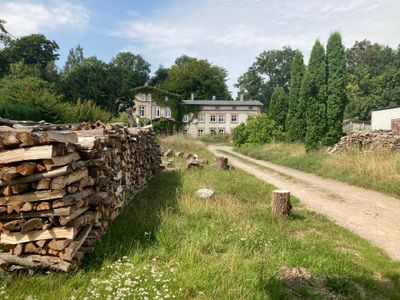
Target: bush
x=216, y=138
x=260, y=129
x=31, y=98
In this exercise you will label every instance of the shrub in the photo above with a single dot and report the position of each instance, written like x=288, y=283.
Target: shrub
x=260, y=129
x=216, y=138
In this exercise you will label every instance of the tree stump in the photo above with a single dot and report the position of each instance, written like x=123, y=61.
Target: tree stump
x=222, y=163
x=280, y=203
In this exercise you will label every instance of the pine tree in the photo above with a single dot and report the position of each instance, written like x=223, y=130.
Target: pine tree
x=316, y=104
x=278, y=106
x=336, y=101
x=295, y=119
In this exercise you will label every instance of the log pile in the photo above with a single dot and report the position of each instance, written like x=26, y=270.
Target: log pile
x=367, y=140
x=61, y=189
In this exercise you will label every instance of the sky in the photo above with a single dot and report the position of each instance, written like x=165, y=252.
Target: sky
x=229, y=33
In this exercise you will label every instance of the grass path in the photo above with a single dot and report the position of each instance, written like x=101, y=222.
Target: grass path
x=168, y=244
x=372, y=215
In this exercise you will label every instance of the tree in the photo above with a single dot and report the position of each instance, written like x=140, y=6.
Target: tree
x=295, y=119
x=316, y=103
x=278, y=107
x=336, y=100
x=302, y=108
x=75, y=57
x=191, y=75
x=90, y=80
x=159, y=77
x=5, y=36
x=34, y=49
x=271, y=69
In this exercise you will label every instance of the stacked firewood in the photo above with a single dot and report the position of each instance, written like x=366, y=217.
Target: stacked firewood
x=369, y=140
x=60, y=189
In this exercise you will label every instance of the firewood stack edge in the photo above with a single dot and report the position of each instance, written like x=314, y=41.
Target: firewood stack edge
x=61, y=189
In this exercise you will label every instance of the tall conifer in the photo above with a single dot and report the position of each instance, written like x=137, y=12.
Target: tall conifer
x=295, y=119
x=316, y=104
x=336, y=101
x=278, y=106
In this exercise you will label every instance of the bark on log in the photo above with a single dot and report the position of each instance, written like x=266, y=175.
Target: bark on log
x=222, y=163
x=280, y=203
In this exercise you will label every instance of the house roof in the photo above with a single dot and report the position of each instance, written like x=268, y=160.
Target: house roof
x=223, y=102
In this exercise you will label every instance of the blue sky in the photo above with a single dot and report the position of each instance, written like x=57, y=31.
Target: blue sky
x=230, y=33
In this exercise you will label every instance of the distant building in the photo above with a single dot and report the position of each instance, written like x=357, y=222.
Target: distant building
x=211, y=117
x=386, y=119
x=350, y=125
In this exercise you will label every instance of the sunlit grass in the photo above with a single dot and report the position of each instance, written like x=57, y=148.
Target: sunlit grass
x=168, y=243
x=379, y=170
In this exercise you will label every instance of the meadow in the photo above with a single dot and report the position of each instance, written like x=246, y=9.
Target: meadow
x=377, y=170
x=169, y=244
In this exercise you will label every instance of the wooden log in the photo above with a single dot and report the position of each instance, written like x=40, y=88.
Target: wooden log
x=280, y=203
x=41, y=243
x=61, y=182
x=27, y=206
x=61, y=160
x=69, y=252
x=8, y=191
x=30, y=248
x=23, y=154
x=43, y=206
x=20, y=188
x=73, y=198
x=57, y=232
x=58, y=245
x=62, y=211
x=9, y=139
x=32, y=197
x=37, y=262
x=32, y=224
x=58, y=136
x=43, y=184
x=14, y=225
x=18, y=249
x=66, y=219
x=27, y=168
x=222, y=163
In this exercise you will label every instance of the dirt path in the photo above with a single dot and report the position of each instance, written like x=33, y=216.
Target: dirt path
x=372, y=215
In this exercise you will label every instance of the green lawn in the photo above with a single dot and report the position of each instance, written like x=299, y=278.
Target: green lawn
x=168, y=244
x=377, y=170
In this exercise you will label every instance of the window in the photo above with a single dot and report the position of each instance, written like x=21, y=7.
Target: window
x=221, y=118
x=250, y=107
x=157, y=111
x=200, y=132
x=200, y=118
x=185, y=118
x=167, y=112
x=212, y=118
x=217, y=107
x=141, y=111
x=221, y=131
x=184, y=131
x=234, y=107
x=213, y=131
x=234, y=118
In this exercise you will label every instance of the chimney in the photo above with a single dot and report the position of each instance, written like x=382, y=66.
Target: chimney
x=241, y=97
x=214, y=98
x=192, y=96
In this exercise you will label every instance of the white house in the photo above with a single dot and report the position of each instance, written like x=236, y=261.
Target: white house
x=386, y=119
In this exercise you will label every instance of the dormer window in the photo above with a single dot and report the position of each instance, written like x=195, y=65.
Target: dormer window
x=217, y=107
x=250, y=107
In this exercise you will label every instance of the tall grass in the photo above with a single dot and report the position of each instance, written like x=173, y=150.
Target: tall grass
x=379, y=170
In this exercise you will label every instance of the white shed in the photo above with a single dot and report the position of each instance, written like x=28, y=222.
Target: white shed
x=386, y=119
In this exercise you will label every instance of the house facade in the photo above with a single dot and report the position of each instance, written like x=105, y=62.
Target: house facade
x=386, y=119
x=218, y=116
x=211, y=117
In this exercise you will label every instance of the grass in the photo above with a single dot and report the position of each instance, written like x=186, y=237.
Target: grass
x=216, y=138
x=377, y=170
x=168, y=244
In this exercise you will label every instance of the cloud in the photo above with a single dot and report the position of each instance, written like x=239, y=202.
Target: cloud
x=232, y=33
x=26, y=17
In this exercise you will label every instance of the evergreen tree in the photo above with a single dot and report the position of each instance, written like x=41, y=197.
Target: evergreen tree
x=293, y=123
x=336, y=101
x=316, y=103
x=75, y=57
x=301, y=112
x=278, y=106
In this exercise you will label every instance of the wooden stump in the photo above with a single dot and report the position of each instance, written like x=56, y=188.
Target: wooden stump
x=222, y=163
x=280, y=203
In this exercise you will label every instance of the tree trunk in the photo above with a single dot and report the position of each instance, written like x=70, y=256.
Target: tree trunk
x=280, y=203
x=222, y=163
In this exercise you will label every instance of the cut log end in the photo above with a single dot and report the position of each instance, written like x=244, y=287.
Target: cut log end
x=280, y=203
